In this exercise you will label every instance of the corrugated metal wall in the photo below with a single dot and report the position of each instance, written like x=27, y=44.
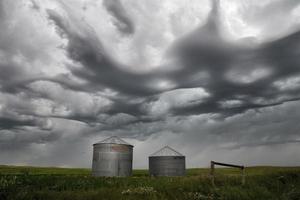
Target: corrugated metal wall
x=112, y=160
x=167, y=165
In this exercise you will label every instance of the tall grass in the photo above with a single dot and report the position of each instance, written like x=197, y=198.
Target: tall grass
x=56, y=183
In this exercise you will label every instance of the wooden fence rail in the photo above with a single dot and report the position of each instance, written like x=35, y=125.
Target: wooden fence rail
x=212, y=170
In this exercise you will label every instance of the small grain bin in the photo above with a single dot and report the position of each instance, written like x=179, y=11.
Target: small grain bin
x=167, y=162
x=112, y=157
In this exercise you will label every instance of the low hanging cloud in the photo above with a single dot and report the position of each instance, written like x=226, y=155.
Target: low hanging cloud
x=64, y=67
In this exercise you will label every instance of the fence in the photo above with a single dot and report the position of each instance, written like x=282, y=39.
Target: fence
x=212, y=170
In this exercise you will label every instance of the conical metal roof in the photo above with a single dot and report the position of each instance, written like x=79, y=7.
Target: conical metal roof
x=166, y=151
x=113, y=140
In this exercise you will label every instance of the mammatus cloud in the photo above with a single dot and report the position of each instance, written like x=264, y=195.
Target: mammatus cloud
x=69, y=72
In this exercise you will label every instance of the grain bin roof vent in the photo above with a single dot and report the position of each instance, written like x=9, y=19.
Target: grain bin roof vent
x=166, y=151
x=113, y=140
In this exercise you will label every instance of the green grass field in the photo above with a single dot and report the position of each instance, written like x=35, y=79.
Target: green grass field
x=62, y=183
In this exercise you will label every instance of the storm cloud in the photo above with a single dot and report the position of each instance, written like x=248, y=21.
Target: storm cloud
x=123, y=22
x=212, y=78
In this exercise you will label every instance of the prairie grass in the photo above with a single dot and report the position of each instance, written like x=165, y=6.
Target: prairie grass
x=265, y=183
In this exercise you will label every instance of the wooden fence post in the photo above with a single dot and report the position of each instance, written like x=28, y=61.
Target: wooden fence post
x=212, y=172
x=243, y=176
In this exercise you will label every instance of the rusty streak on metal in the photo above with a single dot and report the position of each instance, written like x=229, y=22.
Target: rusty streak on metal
x=120, y=148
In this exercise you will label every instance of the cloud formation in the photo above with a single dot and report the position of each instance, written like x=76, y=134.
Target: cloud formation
x=65, y=67
x=123, y=21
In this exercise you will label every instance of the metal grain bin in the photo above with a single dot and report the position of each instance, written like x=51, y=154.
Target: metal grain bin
x=167, y=162
x=112, y=157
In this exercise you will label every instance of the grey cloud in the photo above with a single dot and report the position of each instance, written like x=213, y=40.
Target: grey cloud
x=257, y=144
x=1, y=9
x=228, y=85
x=270, y=15
x=87, y=49
x=7, y=123
x=35, y=5
x=122, y=20
x=269, y=127
x=13, y=78
x=15, y=114
x=203, y=50
x=18, y=139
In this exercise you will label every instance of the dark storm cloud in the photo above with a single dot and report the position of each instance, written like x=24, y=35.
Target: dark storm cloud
x=203, y=50
x=277, y=59
x=122, y=20
x=1, y=9
x=20, y=138
x=99, y=67
x=7, y=123
x=13, y=78
x=269, y=143
x=241, y=93
x=227, y=69
x=240, y=76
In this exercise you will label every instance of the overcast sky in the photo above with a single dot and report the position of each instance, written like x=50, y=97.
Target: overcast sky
x=215, y=80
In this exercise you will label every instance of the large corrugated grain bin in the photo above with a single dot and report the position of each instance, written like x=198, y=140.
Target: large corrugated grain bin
x=112, y=157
